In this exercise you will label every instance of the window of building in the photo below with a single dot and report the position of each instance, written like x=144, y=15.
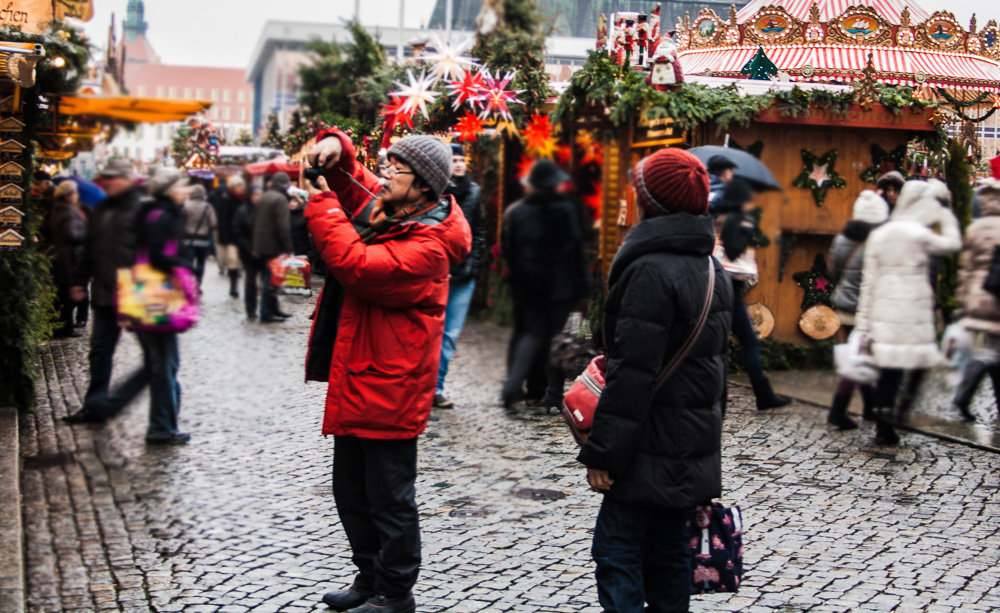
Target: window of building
x=215, y=112
x=241, y=114
x=160, y=92
x=225, y=113
x=159, y=131
x=241, y=97
x=199, y=94
x=187, y=93
x=226, y=95
x=141, y=90
x=173, y=91
x=215, y=94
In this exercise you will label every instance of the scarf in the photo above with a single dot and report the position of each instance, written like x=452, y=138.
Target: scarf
x=380, y=222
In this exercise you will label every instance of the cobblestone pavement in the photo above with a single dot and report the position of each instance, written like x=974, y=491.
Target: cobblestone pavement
x=243, y=519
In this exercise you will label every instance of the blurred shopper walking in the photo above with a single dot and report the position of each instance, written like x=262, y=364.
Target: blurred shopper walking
x=376, y=340
x=200, y=224
x=656, y=452
x=110, y=245
x=226, y=200
x=847, y=256
x=462, y=281
x=271, y=238
x=68, y=233
x=542, y=242
x=980, y=307
x=888, y=187
x=896, y=303
x=243, y=236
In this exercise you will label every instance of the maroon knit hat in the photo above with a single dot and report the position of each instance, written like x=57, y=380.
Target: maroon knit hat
x=671, y=181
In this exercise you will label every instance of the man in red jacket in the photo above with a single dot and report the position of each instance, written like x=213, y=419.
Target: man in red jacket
x=376, y=337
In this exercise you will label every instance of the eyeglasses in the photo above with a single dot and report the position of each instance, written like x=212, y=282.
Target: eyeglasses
x=392, y=171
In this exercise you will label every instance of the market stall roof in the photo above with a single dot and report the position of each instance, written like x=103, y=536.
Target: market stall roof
x=269, y=167
x=132, y=108
x=831, y=41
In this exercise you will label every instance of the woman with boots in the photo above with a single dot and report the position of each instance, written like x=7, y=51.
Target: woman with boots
x=847, y=258
x=68, y=232
x=734, y=228
x=981, y=308
x=896, y=303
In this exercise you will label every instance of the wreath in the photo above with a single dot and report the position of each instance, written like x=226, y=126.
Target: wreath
x=818, y=174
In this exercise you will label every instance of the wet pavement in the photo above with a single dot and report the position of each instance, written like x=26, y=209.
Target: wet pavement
x=243, y=518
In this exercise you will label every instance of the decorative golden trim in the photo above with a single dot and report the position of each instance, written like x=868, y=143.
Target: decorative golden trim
x=847, y=27
x=701, y=36
x=933, y=33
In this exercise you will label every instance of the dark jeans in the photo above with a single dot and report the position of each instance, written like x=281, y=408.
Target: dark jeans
x=197, y=257
x=252, y=269
x=67, y=307
x=268, y=295
x=641, y=556
x=971, y=379
x=747, y=338
x=82, y=309
x=374, y=488
x=530, y=348
x=103, y=340
x=890, y=383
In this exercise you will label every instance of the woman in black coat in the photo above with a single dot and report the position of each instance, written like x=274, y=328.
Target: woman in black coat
x=656, y=454
x=68, y=232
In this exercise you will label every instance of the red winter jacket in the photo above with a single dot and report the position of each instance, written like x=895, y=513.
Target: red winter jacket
x=390, y=316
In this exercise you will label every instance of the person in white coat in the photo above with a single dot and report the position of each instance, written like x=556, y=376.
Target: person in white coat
x=896, y=303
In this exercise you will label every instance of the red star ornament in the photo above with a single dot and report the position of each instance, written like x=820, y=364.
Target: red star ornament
x=469, y=89
x=591, y=150
x=469, y=127
x=822, y=284
x=538, y=140
x=523, y=166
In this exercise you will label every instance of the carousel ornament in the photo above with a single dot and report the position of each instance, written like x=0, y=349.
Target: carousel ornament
x=448, y=62
x=642, y=37
x=654, y=31
x=814, y=31
x=496, y=98
x=760, y=67
x=469, y=89
x=469, y=127
x=818, y=174
x=416, y=94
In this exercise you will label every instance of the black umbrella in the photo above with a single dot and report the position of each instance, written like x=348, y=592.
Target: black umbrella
x=748, y=167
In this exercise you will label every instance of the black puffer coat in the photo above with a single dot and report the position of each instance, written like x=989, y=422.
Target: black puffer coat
x=110, y=244
x=468, y=194
x=847, y=259
x=542, y=242
x=664, y=448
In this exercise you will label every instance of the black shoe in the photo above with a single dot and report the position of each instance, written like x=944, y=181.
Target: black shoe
x=251, y=316
x=80, y=324
x=440, y=402
x=84, y=416
x=379, y=603
x=271, y=319
x=842, y=422
x=885, y=434
x=170, y=439
x=283, y=314
x=767, y=399
x=346, y=599
x=868, y=414
x=966, y=413
x=838, y=413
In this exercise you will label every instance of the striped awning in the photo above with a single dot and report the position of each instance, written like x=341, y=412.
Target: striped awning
x=844, y=63
x=891, y=10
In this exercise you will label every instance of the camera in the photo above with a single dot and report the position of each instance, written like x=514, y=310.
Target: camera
x=312, y=175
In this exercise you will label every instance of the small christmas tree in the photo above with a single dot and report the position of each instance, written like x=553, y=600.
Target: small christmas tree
x=274, y=138
x=760, y=67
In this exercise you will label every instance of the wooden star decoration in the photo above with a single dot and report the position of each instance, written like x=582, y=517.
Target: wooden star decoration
x=819, y=175
x=816, y=283
x=883, y=161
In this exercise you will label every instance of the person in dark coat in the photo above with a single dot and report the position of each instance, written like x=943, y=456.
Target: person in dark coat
x=271, y=238
x=847, y=257
x=462, y=282
x=542, y=242
x=110, y=245
x=200, y=224
x=656, y=454
x=68, y=232
x=243, y=235
x=226, y=200
x=720, y=173
x=735, y=227
x=301, y=242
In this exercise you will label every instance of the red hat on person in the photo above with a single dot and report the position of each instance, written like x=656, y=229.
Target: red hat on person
x=995, y=167
x=671, y=181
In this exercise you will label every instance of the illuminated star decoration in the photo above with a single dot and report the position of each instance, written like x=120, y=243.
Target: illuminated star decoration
x=394, y=114
x=996, y=101
x=469, y=127
x=469, y=89
x=448, y=63
x=816, y=283
x=819, y=175
x=496, y=98
x=593, y=200
x=416, y=94
x=538, y=139
x=590, y=150
x=523, y=166
x=564, y=155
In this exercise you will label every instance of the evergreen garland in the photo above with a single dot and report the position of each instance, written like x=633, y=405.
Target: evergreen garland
x=897, y=157
x=956, y=173
x=823, y=166
x=816, y=283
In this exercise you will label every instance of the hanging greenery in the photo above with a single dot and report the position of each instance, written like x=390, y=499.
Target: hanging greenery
x=956, y=175
x=884, y=161
x=816, y=283
x=819, y=175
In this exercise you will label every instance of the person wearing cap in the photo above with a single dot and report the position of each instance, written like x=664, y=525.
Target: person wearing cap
x=376, y=340
x=542, y=242
x=110, y=245
x=462, y=283
x=720, y=173
x=271, y=238
x=68, y=232
x=847, y=256
x=656, y=453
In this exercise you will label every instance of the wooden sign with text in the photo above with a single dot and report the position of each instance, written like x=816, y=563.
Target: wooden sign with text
x=11, y=151
x=10, y=240
x=11, y=217
x=11, y=195
x=11, y=172
x=655, y=132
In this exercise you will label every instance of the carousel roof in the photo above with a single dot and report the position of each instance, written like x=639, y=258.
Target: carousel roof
x=832, y=41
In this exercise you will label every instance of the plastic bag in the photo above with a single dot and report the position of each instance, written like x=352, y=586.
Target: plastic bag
x=853, y=359
x=956, y=344
x=291, y=275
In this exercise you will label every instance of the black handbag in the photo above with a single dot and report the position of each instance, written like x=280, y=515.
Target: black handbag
x=992, y=281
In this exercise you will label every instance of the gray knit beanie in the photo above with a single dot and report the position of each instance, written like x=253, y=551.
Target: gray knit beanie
x=429, y=158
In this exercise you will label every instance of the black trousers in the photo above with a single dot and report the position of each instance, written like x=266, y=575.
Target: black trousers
x=374, y=488
x=529, y=349
x=974, y=374
x=252, y=270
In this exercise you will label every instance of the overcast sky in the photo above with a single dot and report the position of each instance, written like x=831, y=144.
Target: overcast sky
x=224, y=32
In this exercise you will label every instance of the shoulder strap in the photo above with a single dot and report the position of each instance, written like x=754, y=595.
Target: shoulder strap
x=689, y=343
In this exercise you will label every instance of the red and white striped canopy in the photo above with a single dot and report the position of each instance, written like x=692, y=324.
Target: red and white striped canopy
x=829, y=9
x=844, y=63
